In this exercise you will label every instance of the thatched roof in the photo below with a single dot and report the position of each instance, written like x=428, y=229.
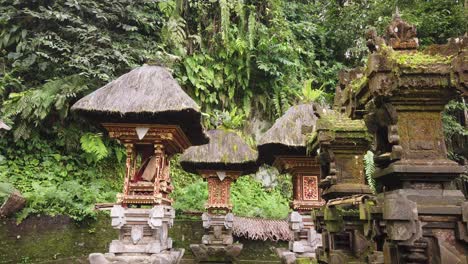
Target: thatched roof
x=4, y=126
x=226, y=151
x=147, y=94
x=261, y=229
x=288, y=135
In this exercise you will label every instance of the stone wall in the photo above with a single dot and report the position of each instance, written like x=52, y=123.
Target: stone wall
x=60, y=240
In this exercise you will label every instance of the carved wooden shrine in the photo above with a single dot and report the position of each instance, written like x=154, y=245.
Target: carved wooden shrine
x=220, y=163
x=142, y=110
x=305, y=173
x=149, y=148
x=219, y=189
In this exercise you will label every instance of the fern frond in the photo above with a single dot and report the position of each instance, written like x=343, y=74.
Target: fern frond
x=93, y=145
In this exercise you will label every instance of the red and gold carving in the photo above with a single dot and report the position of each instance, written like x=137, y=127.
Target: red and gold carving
x=171, y=136
x=310, y=191
x=305, y=171
x=155, y=185
x=219, y=189
x=219, y=193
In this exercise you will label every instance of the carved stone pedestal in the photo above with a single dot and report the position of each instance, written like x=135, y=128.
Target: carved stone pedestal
x=424, y=226
x=346, y=231
x=218, y=242
x=143, y=237
x=306, y=239
x=343, y=143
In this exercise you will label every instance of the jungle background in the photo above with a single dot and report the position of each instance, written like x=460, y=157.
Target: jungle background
x=244, y=61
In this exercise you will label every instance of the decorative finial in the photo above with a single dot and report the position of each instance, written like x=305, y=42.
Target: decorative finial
x=374, y=42
x=397, y=13
x=401, y=35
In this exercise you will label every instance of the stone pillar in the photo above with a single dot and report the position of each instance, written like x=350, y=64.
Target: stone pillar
x=419, y=216
x=218, y=241
x=423, y=215
x=342, y=143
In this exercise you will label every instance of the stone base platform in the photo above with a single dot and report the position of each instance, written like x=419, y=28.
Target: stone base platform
x=228, y=253
x=288, y=257
x=173, y=256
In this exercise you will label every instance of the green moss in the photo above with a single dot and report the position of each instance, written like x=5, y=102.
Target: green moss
x=306, y=261
x=357, y=84
x=50, y=240
x=413, y=59
x=418, y=59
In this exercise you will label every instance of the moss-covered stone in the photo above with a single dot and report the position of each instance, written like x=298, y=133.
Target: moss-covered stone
x=60, y=240
x=306, y=261
x=418, y=59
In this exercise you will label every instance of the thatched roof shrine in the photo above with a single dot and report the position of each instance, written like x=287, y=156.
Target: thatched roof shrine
x=147, y=94
x=226, y=151
x=288, y=135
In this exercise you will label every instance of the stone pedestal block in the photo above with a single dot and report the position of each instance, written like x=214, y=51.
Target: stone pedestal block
x=306, y=239
x=218, y=242
x=143, y=236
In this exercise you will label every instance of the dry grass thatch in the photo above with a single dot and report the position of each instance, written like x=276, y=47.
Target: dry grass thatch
x=146, y=94
x=288, y=135
x=226, y=151
x=261, y=229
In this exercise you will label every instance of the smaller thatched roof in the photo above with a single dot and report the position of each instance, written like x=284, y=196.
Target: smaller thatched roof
x=288, y=135
x=147, y=94
x=4, y=126
x=226, y=151
x=261, y=229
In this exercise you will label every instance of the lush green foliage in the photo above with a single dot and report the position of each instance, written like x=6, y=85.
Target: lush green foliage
x=5, y=190
x=250, y=199
x=247, y=195
x=236, y=58
x=369, y=167
x=56, y=183
x=455, y=133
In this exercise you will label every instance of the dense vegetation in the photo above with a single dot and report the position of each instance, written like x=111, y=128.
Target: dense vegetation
x=239, y=59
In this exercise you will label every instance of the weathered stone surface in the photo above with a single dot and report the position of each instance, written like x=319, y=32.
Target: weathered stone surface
x=417, y=200
x=343, y=143
x=142, y=231
x=401, y=35
x=169, y=257
x=306, y=239
x=143, y=237
x=97, y=258
x=204, y=252
x=287, y=257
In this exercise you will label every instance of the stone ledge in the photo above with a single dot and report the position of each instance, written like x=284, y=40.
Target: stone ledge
x=173, y=256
